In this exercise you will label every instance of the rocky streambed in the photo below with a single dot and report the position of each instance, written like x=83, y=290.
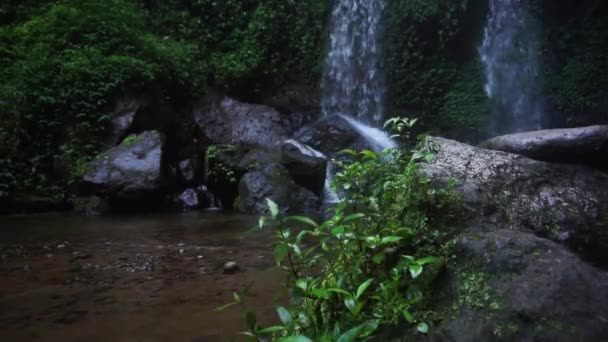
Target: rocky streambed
x=148, y=278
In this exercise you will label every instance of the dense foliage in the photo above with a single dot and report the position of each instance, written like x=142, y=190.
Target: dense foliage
x=63, y=63
x=371, y=264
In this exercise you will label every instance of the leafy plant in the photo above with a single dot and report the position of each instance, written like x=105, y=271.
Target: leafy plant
x=370, y=264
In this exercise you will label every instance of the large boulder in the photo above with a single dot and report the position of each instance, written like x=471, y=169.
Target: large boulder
x=584, y=145
x=330, y=135
x=306, y=166
x=223, y=120
x=567, y=203
x=513, y=286
x=124, y=112
x=131, y=171
x=273, y=181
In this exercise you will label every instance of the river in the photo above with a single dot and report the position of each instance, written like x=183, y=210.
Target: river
x=131, y=278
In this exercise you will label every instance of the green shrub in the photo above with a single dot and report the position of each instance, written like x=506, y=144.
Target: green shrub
x=370, y=265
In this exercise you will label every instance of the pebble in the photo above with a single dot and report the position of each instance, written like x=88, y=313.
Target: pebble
x=199, y=257
x=181, y=251
x=230, y=267
x=62, y=246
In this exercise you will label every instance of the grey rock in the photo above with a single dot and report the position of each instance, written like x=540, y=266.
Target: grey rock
x=124, y=113
x=514, y=286
x=231, y=267
x=187, y=170
x=306, y=166
x=91, y=206
x=223, y=120
x=583, y=145
x=273, y=181
x=558, y=201
x=131, y=171
x=329, y=135
x=189, y=199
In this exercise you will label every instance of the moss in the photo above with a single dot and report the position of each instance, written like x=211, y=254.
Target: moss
x=132, y=140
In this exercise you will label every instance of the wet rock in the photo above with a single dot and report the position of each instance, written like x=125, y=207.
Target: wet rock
x=583, y=145
x=328, y=135
x=514, y=286
x=189, y=199
x=306, y=166
x=223, y=120
x=273, y=181
x=124, y=113
x=130, y=172
x=558, y=201
x=187, y=171
x=91, y=206
x=207, y=198
x=231, y=267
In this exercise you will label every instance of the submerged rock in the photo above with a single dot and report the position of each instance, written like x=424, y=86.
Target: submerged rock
x=129, y=172
x=273, y=181
x=514, y=286
x=187, y=170
x=583, y=145
x=567, y=203
x=91, y=206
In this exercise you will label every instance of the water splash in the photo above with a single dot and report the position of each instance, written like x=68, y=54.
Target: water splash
x=353, y=83
x=376, y=138
x=510, y=53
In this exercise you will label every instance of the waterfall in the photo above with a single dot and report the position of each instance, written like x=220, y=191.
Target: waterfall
x=353, y=86
x=352, y=83
x=510, y=53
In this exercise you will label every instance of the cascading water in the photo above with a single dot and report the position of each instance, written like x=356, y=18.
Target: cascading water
x=353, y=84
x=510, y=53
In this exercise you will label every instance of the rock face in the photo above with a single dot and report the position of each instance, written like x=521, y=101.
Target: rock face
x=305, y=165
x=514, y=286
x=295, y=98
x=131, y=171
x=584, y=145
x=189, y=199
x=187, y=171
x=227, y=121
x=567, y=203
x=91, y=206
x=329, y=135
x=124, y=114
x=273, y=181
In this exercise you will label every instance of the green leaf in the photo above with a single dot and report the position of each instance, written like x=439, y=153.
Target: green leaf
x=302, y=219
x=349, y=151
x=353, y=217
x=302, y=284
x=415, y=270
x=225, y=306
x=340, y=291
x=428, y=260
x=390, y=239
x=369, y=154
x=271, y=329
x=378, y=258
x=408, y=316
x=423, y=328
x=350, y=304
x=273, y=207
x=363, y=287
x=284, y=315
x=294, y=339
x=339, y=230
x=280, y=252
x=261, y=221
